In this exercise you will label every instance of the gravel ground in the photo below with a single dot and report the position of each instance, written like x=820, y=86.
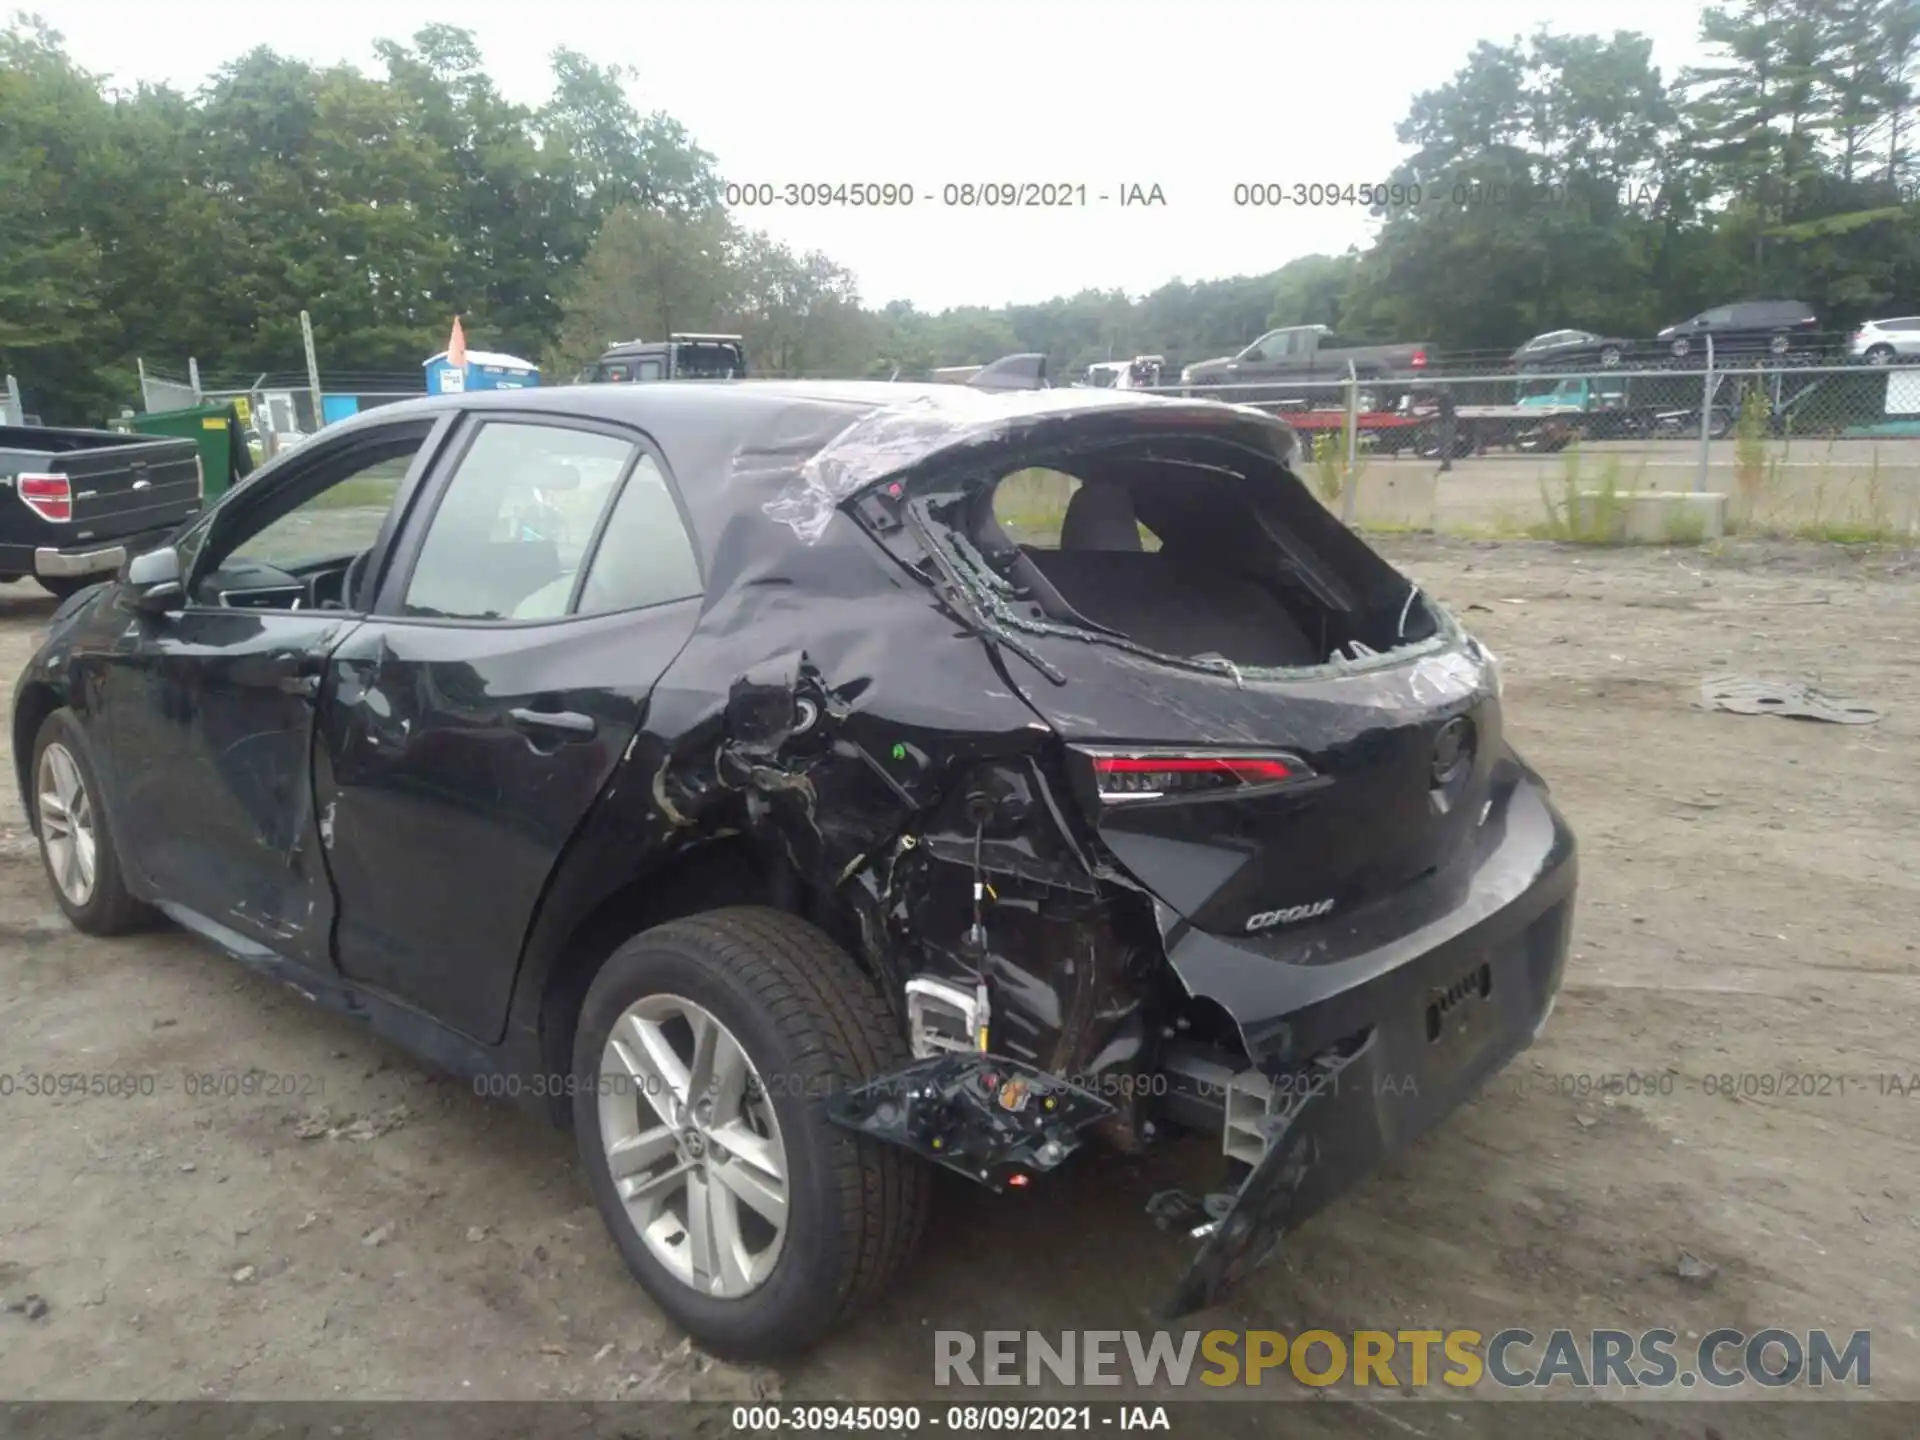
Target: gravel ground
x=1750, y=888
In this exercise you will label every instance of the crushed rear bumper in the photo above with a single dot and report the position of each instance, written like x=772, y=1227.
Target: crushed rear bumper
x=1374, y=1031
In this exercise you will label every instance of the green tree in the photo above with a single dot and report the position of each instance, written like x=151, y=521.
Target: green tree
x=646, y=275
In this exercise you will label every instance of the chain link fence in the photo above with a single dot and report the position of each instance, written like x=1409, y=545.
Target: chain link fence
x=1797, y=444
x=282, y=407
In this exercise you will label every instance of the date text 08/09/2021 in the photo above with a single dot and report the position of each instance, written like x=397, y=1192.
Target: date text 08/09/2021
x=856, y=1419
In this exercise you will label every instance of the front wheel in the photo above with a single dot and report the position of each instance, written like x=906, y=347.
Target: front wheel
x=76, y=845
x=707, y=1051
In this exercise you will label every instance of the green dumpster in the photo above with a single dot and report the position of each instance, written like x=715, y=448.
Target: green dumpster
x=224, y=456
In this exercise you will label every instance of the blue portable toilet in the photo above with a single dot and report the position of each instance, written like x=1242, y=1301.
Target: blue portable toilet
x=484, y=371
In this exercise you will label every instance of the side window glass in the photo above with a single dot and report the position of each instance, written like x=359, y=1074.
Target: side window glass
x=293, y=551
x=649, y=370
x=645, y=556
x=343, y=519
x=513, y=524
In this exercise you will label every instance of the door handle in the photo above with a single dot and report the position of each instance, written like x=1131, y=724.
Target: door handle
x=571, y=721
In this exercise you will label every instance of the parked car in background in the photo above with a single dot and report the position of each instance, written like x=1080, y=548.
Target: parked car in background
x=1140, y=373
x=732, y=816
x=678, y=357
x=1299, y=352
x=1570, y=347
x=84, y=500
x=1881, y=342
x=1770, y=327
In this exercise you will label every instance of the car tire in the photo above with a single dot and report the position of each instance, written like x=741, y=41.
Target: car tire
x=1880, y=355
x=811, y=1025
x=1681, y=348
x=1610, y=356
x=61, y=586
x=65, y=795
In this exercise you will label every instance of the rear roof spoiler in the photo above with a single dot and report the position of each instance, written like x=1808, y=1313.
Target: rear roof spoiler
x=1013, y=372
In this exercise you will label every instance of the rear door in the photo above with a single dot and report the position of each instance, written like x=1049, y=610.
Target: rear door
x=467, y=727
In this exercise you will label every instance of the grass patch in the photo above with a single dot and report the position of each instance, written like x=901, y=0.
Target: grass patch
x=1836, y=505
x=1330, y=465
x=1752, y=468
x=1683, y=525
x=1581, y=515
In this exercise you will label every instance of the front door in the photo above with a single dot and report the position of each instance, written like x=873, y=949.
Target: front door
x=468, y=727
x=212, y=706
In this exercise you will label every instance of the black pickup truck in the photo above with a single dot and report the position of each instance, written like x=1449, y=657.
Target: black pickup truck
x=82, y=501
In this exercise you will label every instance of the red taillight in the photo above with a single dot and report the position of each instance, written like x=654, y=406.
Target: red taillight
x=1419, y=359
x=48, y=496
x=1153, y=775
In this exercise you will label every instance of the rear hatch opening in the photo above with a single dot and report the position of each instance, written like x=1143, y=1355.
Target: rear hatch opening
x=1268, y=727
x=1193, y=550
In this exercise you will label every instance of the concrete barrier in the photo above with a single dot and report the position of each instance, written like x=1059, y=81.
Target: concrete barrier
x=1854, y=487
x=1650, y=517
x=1399, y=498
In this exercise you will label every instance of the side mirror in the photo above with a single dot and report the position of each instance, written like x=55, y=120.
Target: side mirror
x=154, y=578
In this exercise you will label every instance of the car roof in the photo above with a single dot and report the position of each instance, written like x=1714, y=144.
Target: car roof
x=794, y=449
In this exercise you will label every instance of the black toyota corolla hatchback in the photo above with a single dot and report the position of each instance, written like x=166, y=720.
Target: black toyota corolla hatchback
x=795, y=787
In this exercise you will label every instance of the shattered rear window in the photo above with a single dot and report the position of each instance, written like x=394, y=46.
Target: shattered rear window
x=1185, y=552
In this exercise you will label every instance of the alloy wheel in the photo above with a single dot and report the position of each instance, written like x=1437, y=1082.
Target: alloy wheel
x=66, y=824
x=693, y=1146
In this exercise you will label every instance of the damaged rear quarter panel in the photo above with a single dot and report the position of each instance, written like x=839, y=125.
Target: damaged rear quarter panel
x=824, y=704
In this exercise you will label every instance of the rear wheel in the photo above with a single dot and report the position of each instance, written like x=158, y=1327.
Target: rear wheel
x=1880, y=355
x=1610, y=355
x=707, y=1051
x=76, y=845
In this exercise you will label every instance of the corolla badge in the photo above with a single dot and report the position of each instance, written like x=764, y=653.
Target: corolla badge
x=1267, y=919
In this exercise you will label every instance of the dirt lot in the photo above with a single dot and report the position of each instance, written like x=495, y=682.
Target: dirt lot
x=1750, y=894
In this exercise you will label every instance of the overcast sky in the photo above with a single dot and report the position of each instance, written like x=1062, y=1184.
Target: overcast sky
x=1191, y=97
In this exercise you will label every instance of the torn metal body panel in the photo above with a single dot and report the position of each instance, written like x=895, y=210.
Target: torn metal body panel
x=1220, y=831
